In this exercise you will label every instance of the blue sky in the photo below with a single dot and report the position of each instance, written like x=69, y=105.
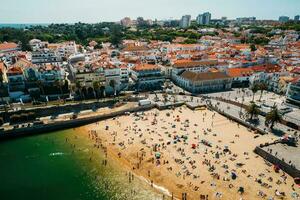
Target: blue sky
x=59, y=11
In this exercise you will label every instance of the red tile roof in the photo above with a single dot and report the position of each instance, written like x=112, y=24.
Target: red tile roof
x=239, y=72
x=296, y=70
x=136, y=48
x=145, y=67
x=7, y=46
x=191, y=63
x=269, y=68
x=14, y=70
x=1, y=67
x=296, y=79
x=194, y=76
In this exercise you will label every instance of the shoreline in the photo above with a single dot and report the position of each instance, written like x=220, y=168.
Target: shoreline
x=127, y=166
x=129, y=160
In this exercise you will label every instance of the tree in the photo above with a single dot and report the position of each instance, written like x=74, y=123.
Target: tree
x=79, y=89
x=112, y=83
x=98, y=46
x=273, y=117
x=34, y=94
x=1, y=85
x=40, y=84
x=1, y=77
x=60, y=84
x=254, y=89
x=102, y=90
x=252, y=110
x=262, y=87
x=116, y=36
x=253, y=47
x=165, y=96
x=96, y=86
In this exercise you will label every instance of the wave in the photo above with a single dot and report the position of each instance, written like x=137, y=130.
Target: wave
x=159, y=188
x=56, y=154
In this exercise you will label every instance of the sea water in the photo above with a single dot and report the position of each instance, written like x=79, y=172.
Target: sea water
x=63, y=165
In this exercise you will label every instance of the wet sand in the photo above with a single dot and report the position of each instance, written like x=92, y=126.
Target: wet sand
x=201, y=154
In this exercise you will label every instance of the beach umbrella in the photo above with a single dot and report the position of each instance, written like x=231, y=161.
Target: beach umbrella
x=297, y=181
x=241, y=190
x=276, y=168
x=157, y=155
x=233, y=175
x=194, y=146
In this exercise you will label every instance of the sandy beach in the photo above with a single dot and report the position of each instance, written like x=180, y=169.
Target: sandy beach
x=193, y=154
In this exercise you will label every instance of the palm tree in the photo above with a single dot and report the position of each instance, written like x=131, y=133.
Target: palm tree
x=273, y=117
x=60, y=83
x=254, y=89
x=79, y=88
x=252, y=110
x=40, y=84
x=1, y=77
x=165, y=96
x=102, y=89
x=112, y=83
x=262, y=87
x=96, y=86
x=1, y=85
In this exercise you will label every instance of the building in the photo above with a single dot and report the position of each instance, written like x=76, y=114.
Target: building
x=64, y=49
x=112, y=79
x=185, y=21
x=140, y=21
x=245, y=20
x=50, y=73
x=3, y=77
x=16, y=82
x=283, y=19
x=126, y=22
x=297, y=18
x=204, y=19
x=195, y=82
x=240, y=76
x=45, y=56
x=86, y=76
x=124, y=74
x=9, y=47
x=293, y=92
x=189, y=65
x=147, y=77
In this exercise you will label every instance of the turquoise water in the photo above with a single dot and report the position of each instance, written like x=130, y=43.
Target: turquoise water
x=20, y=26
x=49, y=167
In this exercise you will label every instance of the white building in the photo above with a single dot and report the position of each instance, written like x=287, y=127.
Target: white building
x=185, y=21
x=293, y=92
x=196, y=82
x=204, y=19
x=147, y=77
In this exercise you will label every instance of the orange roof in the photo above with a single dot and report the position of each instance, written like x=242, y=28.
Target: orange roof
x=296, y=80
x=238, y=72
x=135, y=48
x=1, y=67
x=241, y=46
x=191, y=63
x=145, y=67
x=15, y=70
x=213, y=70
x=53, y=46
x=269, y=68
x=6, y=46
x=24, y=63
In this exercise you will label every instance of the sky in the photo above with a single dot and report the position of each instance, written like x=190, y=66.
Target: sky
x=91, y=11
